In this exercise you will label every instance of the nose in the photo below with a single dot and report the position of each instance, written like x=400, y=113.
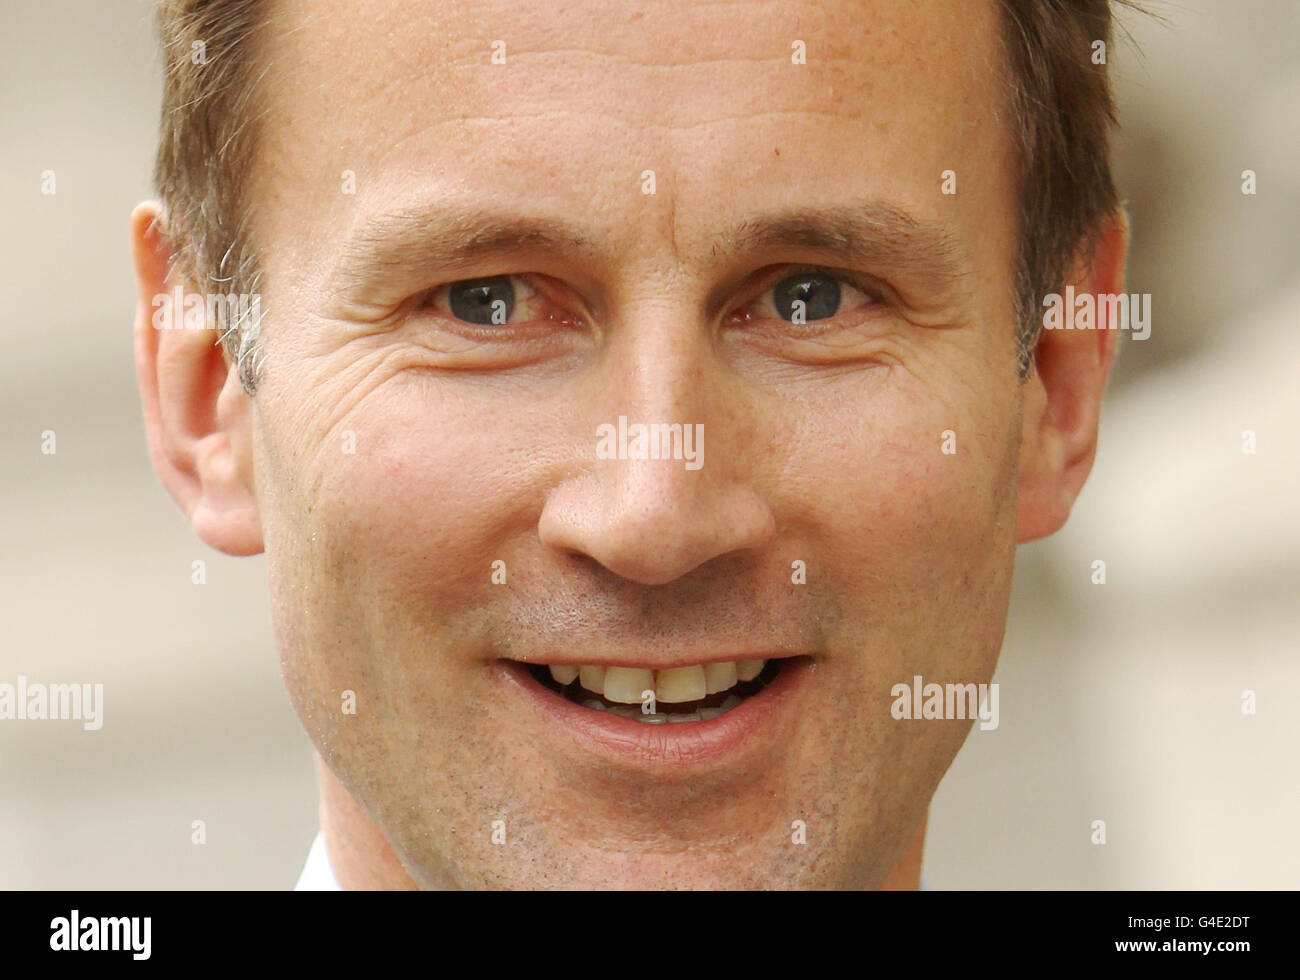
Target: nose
x=652, y=520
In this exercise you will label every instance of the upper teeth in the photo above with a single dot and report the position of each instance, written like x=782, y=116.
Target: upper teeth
x=672, y=685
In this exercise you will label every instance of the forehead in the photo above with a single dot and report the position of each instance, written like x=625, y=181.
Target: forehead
x=733, y=107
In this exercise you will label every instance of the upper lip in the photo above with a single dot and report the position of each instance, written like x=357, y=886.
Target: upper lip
x=744, y=739
x=660, y=661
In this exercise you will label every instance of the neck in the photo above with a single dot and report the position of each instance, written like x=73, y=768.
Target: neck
x=906, y=876
x=361, y=857
x=363, y=860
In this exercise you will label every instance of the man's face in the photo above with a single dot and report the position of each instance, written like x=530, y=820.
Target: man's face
x=435, y=510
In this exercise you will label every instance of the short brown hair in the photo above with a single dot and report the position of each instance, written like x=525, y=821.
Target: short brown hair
x=1060, y=98
x=1064, y=111
x=206, y=145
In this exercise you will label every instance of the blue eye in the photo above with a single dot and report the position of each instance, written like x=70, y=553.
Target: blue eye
x=482, y=301
x=811, y=294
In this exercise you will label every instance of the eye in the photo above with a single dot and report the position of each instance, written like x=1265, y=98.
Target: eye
x=809, y=295
x=486, y=302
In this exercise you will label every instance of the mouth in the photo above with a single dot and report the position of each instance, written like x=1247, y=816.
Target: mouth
x=670, y=695
x=702, y=719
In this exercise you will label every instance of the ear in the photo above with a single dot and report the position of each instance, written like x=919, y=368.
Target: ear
x=196, y=413
x=1062, y=396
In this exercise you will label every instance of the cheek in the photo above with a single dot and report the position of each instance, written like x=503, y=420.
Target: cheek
x=908, y=496
x=916, y=545
x=389, y=516
x=386, y=521
x=415, y=503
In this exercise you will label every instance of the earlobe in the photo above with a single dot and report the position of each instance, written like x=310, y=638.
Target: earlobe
x=1062, y=396
x=196, y=413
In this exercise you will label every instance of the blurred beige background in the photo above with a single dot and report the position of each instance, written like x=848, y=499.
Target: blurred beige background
x=1119, y=702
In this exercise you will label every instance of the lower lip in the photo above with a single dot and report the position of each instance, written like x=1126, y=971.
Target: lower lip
x=759, y=723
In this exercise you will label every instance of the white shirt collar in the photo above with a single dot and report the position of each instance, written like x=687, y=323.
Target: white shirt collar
x=317, y=875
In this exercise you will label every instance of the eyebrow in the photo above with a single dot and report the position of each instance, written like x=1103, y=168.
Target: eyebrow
x=875, y=234
x=411, y=242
